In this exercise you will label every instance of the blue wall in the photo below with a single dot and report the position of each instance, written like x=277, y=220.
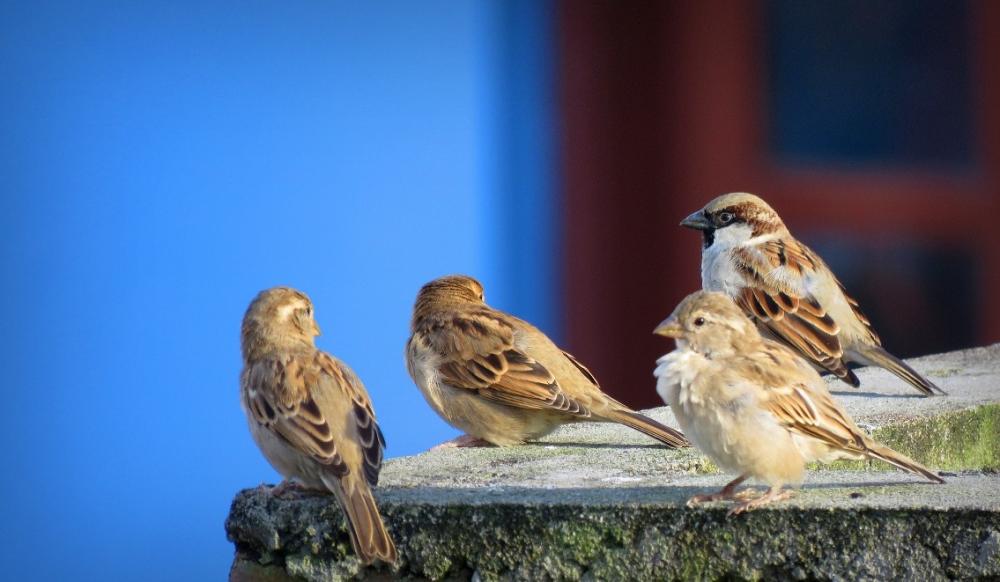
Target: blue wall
x=162, y=162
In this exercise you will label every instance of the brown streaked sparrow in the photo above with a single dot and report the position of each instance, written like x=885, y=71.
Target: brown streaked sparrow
x=498, y=378
x=752, y=405
x=310, y=414
x=790, y=293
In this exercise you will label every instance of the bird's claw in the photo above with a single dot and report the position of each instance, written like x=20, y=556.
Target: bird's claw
x=462, y=442
x=722, y=496
x=769, y=497
x=284, y=487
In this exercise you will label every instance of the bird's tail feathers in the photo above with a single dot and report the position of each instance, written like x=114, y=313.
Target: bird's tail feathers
x=364, y=523
x=671, y=437
x=884, y=453
x=876, y=355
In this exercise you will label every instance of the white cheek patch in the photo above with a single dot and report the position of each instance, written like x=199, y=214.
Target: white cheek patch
x=718, y=270
x=285, y=311
x=732, y=235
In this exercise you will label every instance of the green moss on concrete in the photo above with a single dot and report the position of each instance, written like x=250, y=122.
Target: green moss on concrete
x=943, y=372
x=569, y=541
x=967, y=439
x=954, y=441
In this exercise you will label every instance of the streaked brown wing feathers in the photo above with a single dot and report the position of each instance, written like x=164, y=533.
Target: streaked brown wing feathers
x=856, y=309
x=583, y=369
x=485, y=359
x=816, y=336
x=289, y=410
x=797, y=319
x=369, y=434
x=814, y=415
x=281, y=397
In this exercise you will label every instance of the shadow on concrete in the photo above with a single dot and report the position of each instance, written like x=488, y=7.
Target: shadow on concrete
x=875, y=394
x=571, y=444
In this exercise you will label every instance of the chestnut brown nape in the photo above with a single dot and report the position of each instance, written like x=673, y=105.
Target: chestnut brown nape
x=737, y=199
x=748, y=209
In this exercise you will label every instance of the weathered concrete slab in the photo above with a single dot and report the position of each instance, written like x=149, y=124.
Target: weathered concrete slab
x=598, y=501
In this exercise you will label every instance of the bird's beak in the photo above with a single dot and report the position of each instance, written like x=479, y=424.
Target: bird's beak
x=697, y=221
x=316, y=329
x=669, y=327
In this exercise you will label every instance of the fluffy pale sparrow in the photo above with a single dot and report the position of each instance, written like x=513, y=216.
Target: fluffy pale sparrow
x=498, y=378
x=790, y=293
x=310, y=414
x=752, y=405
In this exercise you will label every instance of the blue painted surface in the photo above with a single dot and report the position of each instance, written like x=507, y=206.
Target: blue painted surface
x=162, y=162
x=524, y=202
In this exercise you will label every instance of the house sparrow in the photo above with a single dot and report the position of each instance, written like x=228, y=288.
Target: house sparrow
x=498, y=378
x=310, y=414
x=752, y=405
x=788, y=290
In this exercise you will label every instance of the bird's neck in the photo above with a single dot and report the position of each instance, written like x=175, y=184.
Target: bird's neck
x=428, y=310
x=259, y=347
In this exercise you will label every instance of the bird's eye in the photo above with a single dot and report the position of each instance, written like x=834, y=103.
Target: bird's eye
x=700, y=321
x=726, y=217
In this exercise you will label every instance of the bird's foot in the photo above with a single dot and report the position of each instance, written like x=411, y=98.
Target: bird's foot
x=462, y=441
x=747, y=494
x=724, y=495
x=771, y=496
x=284, y=487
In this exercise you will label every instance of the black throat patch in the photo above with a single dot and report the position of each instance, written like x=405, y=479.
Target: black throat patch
x=707, y=237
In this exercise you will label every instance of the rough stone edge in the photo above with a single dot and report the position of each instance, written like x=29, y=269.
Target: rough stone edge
x=538, y=542
x=962, y=439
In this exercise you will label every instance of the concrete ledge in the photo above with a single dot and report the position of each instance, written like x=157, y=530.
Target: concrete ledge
x=598, y=501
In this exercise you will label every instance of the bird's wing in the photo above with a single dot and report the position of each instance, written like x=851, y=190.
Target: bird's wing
x=797, y=398
x=777, y=298
x=476, y=351
x=319, y=406
x=365, y=429
x=583, y=369
x=595, y=393
x=799, y=401
x=860, y=315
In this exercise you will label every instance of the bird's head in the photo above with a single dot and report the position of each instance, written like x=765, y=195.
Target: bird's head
x=734, y=219
x=278, y=318
x=450, y=290
x=708, y=323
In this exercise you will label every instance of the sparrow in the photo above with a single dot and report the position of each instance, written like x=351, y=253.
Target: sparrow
x=310, y=414
x=788, y=290
x=498, y=378
x=753, y=405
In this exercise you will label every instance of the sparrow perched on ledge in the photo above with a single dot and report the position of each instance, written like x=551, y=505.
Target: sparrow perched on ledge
x=790, y=293
x=310, y=414
x=498, y=378
x=752, y=405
